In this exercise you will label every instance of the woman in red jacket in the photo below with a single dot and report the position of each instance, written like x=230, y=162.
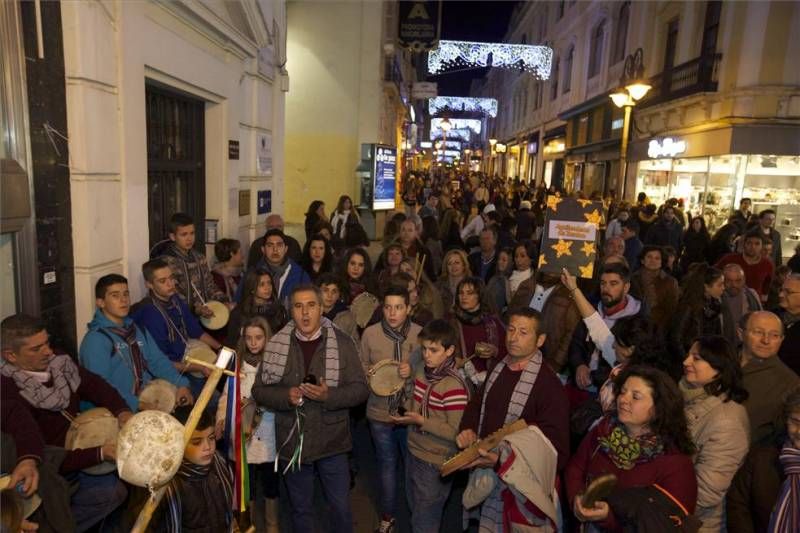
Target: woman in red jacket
x=646, y=442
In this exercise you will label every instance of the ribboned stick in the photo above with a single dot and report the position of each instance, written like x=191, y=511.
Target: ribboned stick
x=225, y=354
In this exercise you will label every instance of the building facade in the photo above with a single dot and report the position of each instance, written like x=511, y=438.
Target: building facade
x=122, y=114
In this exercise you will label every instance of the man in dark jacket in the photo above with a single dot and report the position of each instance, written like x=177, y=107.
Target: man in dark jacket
x=633, y=245
x=526, y=221
x=312, y=369
x=274, y=221
x=286, y=273
x=789, y=313
x=667, y=231
x=483, y=262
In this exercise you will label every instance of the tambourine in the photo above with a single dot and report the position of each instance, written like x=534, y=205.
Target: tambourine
x=220, y=317
x=363, y=307
x=197, y=349
x=161, y=394
x=29, y=504
x=251, y=417
x=384, y=378
x=93, y=428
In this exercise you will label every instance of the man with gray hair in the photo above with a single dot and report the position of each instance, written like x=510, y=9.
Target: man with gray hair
x=738, y=297
x=311, y=375
x=274, y=221
x=789, y=313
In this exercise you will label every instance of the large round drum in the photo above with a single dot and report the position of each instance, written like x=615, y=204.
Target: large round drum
x=29, y=505
x=150, y=449
x=160, y=394
x=220, y=317
x=197, y=349
x=93, y=428
x=363, y=307
x=384, y=378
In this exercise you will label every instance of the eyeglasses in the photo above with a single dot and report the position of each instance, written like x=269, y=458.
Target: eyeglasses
x=770, y=335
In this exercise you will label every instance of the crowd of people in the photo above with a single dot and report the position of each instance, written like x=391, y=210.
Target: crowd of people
x=674, y=369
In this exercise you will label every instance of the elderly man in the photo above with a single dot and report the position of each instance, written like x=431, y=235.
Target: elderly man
x=50, y=388
x=738, y=297
x=311, y=368
x=758, y=270
x=789, y=313
x=765, y=377
x=614, y=245
x=518, y=387
x=274, y=221
x=483, y=262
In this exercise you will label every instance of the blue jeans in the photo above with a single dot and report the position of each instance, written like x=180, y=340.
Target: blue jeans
x=390, y=446
x=96, y=498
x=427, y=494
x=334, y=475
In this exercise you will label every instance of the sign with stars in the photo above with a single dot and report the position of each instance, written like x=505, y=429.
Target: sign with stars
x=570, y=235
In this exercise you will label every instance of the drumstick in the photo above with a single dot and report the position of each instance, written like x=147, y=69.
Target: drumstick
x=146, y=514
x=202, y=301
x=421, y=267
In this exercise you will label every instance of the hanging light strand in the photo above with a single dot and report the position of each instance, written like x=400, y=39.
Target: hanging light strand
x=451, y=54
x=487, y=106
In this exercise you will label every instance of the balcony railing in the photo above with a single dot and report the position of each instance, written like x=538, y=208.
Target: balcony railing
x=695, y=76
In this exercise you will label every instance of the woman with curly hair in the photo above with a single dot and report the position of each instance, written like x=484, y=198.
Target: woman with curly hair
x=701, y=310
x=712, y=391
x=645, y=442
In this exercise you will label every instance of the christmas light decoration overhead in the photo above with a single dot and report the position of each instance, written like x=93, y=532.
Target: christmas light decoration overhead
x=450, y=54
x=462, y=134
x=457, y=123
x=487, y=106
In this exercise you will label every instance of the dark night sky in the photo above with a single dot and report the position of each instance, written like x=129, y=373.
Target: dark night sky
x=471, y=21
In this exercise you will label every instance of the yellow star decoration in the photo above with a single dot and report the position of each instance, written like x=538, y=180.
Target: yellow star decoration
x=553, y=201
x=562, y=248
x=594, y=217
x=586, y=271
x=584, y=203
x=542, y=261
x=588, y=248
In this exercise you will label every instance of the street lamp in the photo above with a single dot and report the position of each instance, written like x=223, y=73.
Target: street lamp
x=445, y=125
x=492, y=142
x=633, y=88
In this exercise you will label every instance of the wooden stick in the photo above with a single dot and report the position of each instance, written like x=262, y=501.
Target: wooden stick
x=206, y=364
x=421, y=268
x=146, y=514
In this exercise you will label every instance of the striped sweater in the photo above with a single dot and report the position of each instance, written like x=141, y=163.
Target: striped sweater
x=435, y=440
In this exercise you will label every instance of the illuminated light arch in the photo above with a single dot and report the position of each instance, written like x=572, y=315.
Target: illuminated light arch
x=450, y=54
x=487, y=106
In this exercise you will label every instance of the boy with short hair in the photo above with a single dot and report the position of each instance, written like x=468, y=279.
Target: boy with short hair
x=190, y=267
x=434, y=414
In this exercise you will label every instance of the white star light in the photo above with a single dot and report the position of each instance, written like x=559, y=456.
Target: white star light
x=487, y=106
x=534, y=59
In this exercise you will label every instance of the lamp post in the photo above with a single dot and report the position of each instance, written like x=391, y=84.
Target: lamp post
x=633, y=88
x=492, y=142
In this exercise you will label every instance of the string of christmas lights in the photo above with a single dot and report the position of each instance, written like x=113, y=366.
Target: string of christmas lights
x=451, y=54
x=487, y=106
x=462, y=134
x=458, y=123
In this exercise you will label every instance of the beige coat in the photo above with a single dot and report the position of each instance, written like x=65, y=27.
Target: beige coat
x=721, y=433
x=375, y=347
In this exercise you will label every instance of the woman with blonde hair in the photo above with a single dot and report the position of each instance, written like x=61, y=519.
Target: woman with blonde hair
x=455, y=267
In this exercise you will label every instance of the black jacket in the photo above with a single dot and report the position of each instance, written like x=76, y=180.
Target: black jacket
x=475, y=265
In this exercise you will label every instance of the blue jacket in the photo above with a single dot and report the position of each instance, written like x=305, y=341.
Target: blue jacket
x=147, y=317
x=112, y=360
x=296, y=276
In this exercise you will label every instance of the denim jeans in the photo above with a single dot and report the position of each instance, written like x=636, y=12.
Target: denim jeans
x=390, y=446
x=96, y=498
x=427, y=494
x=334, y=475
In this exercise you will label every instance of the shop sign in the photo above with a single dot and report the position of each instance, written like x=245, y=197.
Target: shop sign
x=555, y=146
x=500, y=148
x=533, y=147
x=668, y=147
x=422, y=90
x=418, y=24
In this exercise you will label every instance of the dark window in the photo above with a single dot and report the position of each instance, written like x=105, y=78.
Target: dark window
x=622, y=32
x=596, y=54
x=671, y=44
x=175, y=161
x=554, y=80
x=711, y=28
x=568, y=69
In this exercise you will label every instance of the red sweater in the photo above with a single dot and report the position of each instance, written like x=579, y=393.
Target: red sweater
x=547, y=408
x=758, y=276
x=672, y=470
x=51, y=426
x=478, y=333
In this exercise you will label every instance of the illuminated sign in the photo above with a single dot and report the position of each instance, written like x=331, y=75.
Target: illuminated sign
x=425, y=144
x=668, y=147
x=385, y=171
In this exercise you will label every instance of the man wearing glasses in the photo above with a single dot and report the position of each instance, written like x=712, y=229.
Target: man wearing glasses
x=765, y=377
x=789, y=313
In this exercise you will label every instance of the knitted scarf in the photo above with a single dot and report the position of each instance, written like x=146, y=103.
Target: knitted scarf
x=138, y=362
x=193, y=472
x=435, y=375
x=398, y=337
x=276, y=354
x=64, y=376
x=786, y=513
x=626, y=451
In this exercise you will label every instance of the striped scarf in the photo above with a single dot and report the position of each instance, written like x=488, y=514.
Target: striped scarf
x=192, y=472
x=163, y=308
x=65, y=378
x=435, y=375
x=276, y=354
x=398, y=337
x=138, y=362
x=786, y=514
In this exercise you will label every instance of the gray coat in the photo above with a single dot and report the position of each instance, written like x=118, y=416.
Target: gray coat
x=327, y=425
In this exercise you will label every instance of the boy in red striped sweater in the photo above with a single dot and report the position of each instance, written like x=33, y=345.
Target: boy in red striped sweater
x=433, y=414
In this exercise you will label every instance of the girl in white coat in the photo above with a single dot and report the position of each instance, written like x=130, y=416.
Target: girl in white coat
x=260, y=433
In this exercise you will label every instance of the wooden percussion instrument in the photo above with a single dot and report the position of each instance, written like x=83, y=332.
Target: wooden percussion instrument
x=160, y=394
x=220, y=317
x=93, y=428
x=470, y=453
x=150, y=449
x=199, y=351
x=384, y=378
x=599, y=489
x=363, y=307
